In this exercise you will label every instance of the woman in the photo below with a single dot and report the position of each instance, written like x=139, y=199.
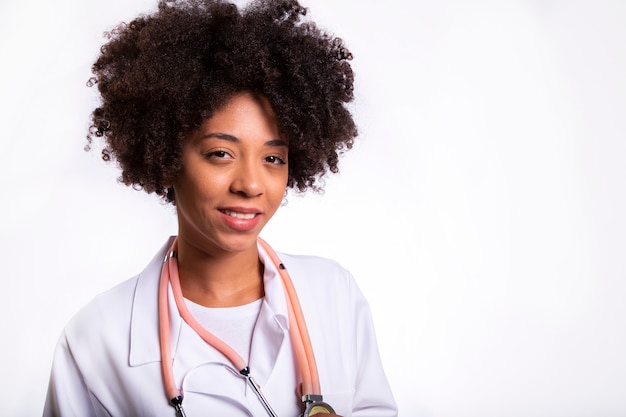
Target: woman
x=219, y=111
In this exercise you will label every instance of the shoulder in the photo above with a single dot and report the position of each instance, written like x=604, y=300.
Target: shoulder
x=113, y=309
x=318, y=279
x=109, y=309
x=292, y=261
x=316, y=270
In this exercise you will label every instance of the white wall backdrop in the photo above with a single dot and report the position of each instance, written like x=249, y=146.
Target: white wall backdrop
x=482, y=211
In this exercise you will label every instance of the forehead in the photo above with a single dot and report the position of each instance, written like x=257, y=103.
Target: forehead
x=242, y=117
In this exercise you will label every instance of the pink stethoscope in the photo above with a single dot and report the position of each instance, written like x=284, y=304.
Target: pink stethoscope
x=312, y=397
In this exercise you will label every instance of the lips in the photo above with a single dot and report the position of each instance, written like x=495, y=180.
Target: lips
x=241, y=219
x=239, y=215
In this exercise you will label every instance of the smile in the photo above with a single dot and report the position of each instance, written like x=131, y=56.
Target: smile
x=244, y=216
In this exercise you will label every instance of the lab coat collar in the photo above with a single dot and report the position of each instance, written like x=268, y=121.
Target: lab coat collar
x=144, y=324
x=272, y=324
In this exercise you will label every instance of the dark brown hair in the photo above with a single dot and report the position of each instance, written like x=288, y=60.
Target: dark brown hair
x=162, y=74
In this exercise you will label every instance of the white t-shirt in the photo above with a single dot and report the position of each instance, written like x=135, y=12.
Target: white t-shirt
x=233, y=325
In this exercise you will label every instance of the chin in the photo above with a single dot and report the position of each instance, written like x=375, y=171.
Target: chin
x=239, y=243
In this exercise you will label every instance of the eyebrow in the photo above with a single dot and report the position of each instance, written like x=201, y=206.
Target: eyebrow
x=235, y=139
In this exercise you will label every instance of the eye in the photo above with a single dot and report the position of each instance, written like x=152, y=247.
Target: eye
x=217, y=155
x=273, y=159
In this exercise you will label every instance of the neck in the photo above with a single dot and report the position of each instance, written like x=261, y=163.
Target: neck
x=219, y=280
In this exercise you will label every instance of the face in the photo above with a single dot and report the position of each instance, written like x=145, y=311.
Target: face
x=233, y=178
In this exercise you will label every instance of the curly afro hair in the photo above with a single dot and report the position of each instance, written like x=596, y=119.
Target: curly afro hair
x=164, y=73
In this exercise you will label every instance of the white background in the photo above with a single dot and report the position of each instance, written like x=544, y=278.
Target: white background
x=482, y=211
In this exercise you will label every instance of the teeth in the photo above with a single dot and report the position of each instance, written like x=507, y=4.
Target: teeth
x=246, y=216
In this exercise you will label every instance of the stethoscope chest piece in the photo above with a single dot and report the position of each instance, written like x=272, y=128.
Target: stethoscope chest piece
x=315, y=405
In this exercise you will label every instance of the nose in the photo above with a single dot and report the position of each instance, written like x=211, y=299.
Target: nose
x=247, y=179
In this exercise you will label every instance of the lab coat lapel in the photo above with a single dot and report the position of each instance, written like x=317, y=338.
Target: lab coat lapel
x=272, y=324
x=144, y=326
x=266, y=344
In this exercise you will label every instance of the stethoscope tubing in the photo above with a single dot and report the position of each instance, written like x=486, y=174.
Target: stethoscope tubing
x=165, y=326
x=298, y=331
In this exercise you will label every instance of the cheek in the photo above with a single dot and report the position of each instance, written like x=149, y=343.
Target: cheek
x=278, y=191
x=282, y=186
x=196, y=191
x=209, y=182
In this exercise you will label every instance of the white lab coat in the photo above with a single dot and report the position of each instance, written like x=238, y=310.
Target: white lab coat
x=107, y=362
